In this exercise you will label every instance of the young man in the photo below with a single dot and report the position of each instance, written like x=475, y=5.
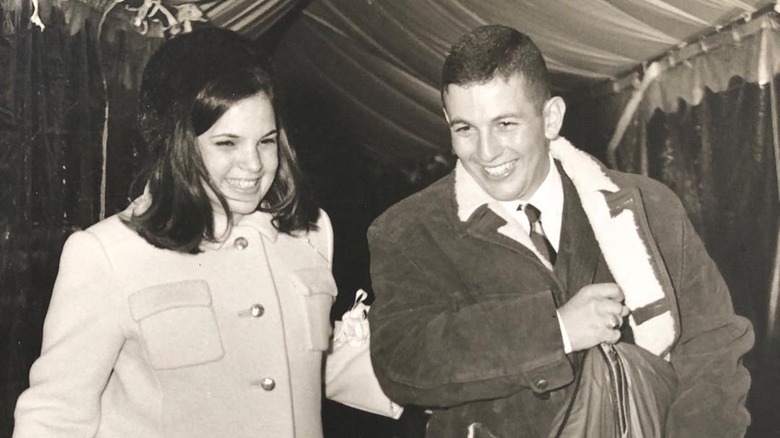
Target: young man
x=491, y=283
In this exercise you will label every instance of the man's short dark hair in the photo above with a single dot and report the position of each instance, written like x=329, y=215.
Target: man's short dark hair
x=496, y=51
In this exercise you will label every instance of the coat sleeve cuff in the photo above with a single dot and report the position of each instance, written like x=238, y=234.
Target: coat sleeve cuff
x=564, y=334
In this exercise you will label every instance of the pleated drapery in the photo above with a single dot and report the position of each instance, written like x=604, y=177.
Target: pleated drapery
x=708, y=128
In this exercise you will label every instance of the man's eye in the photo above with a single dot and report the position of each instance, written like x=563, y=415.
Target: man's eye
x=506, y=123
x=462, y=129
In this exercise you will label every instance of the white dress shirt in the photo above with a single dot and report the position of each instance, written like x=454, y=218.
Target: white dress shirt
x=548, y=198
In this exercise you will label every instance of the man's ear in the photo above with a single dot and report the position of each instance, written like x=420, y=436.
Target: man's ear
x=553, y=112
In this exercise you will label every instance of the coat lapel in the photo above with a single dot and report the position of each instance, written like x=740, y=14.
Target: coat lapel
x=486, y=219
x=619, y=224
x=482, y=218
x=487, y=224
x=596, y=209
x=578, y=252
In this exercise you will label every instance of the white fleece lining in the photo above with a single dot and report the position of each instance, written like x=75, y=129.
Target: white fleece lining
x=624, y=251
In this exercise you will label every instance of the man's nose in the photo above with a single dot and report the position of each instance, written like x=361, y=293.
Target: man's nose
x=489, y=147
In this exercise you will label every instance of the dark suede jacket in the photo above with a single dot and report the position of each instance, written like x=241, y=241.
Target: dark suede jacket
x=464, y=320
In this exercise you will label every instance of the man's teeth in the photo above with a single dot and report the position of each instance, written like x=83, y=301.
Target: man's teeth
x=242, y=183
x=500, y=170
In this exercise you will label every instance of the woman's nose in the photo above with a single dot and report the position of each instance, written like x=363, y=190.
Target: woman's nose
x=251, y=160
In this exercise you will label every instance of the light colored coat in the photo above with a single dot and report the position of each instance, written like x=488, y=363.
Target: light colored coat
x=145, y=342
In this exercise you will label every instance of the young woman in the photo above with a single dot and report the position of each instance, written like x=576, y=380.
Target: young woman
x=201, y=310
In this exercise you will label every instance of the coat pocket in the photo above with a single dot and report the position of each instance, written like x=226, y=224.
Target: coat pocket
x=318, y=289
x=177, y=323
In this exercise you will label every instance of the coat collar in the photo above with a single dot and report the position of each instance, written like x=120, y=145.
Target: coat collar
x=468, y=194
x=474, y=203
x=258, y=221
x=578, y=252
x=618, y=222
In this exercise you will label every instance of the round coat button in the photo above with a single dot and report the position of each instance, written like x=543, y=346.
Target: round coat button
x=241, y=243
x=541, y=384
x=268, y=384
x=257, y=310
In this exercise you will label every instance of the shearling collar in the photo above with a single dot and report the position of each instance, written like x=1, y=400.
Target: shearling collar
x=469, y=196
x=623, y=242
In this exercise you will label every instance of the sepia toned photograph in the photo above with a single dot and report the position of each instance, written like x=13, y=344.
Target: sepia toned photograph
x=389, y=218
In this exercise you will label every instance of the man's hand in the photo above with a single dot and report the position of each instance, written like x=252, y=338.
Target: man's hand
x=594, y=315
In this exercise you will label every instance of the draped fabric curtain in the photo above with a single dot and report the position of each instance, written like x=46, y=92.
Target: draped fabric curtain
x=52, y=105
x=708, y=128
x=253, y=18
x=381, y=59
x=49, y=142
x=719, y=156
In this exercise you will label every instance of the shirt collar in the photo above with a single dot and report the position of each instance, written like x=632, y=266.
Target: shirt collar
x=548, y=198
x=469, y=195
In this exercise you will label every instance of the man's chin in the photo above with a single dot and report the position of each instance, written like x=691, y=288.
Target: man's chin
x=499, y=192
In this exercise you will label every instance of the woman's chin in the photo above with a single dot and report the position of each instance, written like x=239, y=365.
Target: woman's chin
x=242, y=208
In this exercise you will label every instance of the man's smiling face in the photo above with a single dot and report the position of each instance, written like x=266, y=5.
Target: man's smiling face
x=501, y=135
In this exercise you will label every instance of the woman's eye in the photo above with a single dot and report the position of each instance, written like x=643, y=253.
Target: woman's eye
x=225, y=143
x=268, y=141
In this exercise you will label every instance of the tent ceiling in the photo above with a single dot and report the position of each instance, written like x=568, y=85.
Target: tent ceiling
x=377, y=62
x=588, y=39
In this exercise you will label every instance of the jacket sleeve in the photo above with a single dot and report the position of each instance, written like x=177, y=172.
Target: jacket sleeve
x=713, y=383
x=433, y=346
x=81, y=340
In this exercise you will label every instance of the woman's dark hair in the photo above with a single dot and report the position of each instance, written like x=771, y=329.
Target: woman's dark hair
x=187, y=85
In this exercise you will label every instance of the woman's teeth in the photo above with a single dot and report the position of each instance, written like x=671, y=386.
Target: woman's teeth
x=242, y=183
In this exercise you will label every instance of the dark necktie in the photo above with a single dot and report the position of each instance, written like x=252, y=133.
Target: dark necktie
x=538, y=237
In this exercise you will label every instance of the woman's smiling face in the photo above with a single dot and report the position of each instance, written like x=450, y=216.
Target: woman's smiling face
x=240, y=153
